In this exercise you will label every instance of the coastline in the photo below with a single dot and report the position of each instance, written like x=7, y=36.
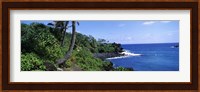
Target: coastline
x=115, y=55
x=125, y=54
x=104, y=56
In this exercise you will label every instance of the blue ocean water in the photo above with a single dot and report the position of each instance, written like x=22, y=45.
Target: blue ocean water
x=154, y=57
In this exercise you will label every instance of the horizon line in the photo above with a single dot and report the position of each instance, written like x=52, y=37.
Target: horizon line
x=150, y=43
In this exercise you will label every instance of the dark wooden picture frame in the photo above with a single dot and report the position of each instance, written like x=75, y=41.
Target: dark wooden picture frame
x=7, y=6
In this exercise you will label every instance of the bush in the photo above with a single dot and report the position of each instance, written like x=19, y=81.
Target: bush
x=87, y=62
x=47, y=46
x=31, y=61
x=39, y=43
x=38, y=39
x=108, y=66
x=123, y=69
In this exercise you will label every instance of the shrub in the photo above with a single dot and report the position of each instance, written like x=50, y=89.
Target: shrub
x=38, y=39
x=108, y=66
x=87, y=62
x=31, y=61
x=123, y=69
x=47, y=46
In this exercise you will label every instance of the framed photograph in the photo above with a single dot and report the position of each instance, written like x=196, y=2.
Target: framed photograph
x=100, y=45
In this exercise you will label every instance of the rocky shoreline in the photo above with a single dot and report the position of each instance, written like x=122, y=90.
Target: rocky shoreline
x=103, y=56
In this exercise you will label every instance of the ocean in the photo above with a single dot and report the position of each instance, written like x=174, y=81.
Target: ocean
x=149, y=57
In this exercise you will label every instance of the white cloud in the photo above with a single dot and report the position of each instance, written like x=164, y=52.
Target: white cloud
x=129, y=38
x=121, y=25
x=165, y=21
x=148, y=22
x=152, y=22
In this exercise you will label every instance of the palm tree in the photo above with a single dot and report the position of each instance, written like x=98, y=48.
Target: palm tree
x=64, y=32
x=61, y=26
x=73, y=38
x=72, y=43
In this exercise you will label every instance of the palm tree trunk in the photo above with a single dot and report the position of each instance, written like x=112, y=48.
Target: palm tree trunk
x=72, y=43
x=63, y=38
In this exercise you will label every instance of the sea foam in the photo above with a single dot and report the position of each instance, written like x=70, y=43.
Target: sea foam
x=125, y=54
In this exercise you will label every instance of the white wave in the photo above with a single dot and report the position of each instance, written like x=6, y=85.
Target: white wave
x=128, y=53
x=118, y=57
x=125, y=54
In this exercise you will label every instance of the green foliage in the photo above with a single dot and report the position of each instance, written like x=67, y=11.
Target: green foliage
x=123, y=69
x=88, y=42
x=87, y=62
x=100, y=46
x=38, y=39
x=47, y=46
x=57, y=29
x=109, y=47
x=40, y=48
x=106, y=48
x=31, y=61
x=108, y=66
x=57, y=33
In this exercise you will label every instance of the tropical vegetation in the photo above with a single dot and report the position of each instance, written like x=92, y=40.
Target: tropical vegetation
x=51, y=48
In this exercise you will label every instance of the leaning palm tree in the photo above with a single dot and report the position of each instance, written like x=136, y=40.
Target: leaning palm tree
x=64, y=32
x=72, y=43
x=60, y=28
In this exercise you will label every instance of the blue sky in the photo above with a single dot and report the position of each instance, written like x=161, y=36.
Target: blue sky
x=129, y=32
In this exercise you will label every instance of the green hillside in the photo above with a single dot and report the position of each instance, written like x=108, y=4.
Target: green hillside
x=49, y=48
